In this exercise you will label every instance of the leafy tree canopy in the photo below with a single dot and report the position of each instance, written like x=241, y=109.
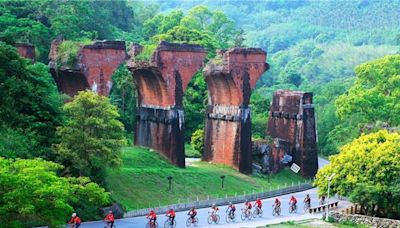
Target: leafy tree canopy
x=32, y=194
x=369, y=164
x=29, y=104
x=375, y=94
x=92, y=136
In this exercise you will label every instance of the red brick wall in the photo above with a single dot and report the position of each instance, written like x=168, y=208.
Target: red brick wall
x=26, y=50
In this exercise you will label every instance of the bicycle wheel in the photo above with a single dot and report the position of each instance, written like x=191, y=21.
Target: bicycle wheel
x=148, y=225
x=188, y=222
x=260, y=213
x=274, y=212
x=305, y=207
x=255, y=213
x=227, y=218
x=216, y=219
x=279, y=211
x=209, y=219
x=291, y=209
x=248, y=214
x=155, y=225
x=243, y=216
x=295, y=208
x=166, y=224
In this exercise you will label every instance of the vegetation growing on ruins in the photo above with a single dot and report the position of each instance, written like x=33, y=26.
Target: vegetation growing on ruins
x=146, y=53
x=67, y=52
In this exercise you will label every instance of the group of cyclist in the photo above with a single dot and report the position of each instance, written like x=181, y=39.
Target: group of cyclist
x=75, y=221
x=214, y=210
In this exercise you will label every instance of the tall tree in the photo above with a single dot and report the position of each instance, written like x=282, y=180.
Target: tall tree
x=92, y=137
x=29, y=103
x=369, y=165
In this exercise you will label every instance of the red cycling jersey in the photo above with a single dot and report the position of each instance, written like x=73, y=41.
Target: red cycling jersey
x=171, y=213
x=75, y=220
x=109, y=218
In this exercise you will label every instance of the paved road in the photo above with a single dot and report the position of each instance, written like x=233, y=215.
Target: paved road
x=267, y=217
x=203, y=213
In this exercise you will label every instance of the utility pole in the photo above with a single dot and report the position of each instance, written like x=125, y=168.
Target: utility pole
x=329, y=186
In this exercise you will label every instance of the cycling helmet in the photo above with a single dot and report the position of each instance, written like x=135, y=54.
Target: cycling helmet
x=230, y=203
x=213, y=204
x=73, y=214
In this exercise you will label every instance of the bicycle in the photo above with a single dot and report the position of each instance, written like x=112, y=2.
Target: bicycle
x=152, y=224
x=257, y=212
x=230, y=217
x=307, y=206
x=168, y=223
x=190, y=221
x=276, y=211
x=213, y=218
x=245, y=214
x=293, y=208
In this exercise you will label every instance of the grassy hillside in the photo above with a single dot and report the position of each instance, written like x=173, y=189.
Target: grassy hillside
x=142, y=180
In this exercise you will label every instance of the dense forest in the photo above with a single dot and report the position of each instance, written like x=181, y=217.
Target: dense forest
x=316, y=46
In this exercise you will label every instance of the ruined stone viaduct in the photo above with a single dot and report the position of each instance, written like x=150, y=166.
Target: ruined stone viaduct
x=161, y=83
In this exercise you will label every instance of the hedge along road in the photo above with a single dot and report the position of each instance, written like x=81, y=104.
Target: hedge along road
x=202, y=214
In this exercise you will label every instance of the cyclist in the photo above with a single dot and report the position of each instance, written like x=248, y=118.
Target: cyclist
x=171, y=214
x=192, y=213
x=247, y=207
x=258, y=205
x=293, y=201
x=231, y=209
x=307, y=201
x=322, y=202
x=152, y=217
x=277, y=203
x=109, y=219
x=75, y=221
x=214, y=210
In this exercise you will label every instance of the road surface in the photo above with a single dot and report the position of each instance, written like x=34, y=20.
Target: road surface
x=267, y=217
x=202, y=214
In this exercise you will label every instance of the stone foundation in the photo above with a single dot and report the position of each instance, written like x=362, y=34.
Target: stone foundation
x=365, y=220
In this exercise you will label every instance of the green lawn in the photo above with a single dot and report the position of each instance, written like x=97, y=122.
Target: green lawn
x=142, y=180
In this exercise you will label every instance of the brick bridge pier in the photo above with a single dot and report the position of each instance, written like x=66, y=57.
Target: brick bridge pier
x=292, y=125
x=161, y=83
x=230, y=79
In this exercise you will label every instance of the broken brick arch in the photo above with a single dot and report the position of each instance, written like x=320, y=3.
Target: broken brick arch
x=95, y=64
x=228, y=117
x=161, y=83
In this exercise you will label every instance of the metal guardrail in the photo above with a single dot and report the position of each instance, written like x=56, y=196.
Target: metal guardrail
x=220, y=201
x=323, y=207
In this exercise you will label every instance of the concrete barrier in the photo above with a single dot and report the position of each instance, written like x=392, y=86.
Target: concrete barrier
x=220, y=201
